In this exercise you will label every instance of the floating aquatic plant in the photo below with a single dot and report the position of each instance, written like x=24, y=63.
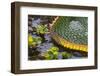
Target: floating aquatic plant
x=33, y=41
x=71, y=32
x=66, y=55
x=52, y=53
x=52, y=37
x=42, y=29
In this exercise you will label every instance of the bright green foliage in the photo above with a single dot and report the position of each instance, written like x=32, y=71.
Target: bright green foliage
x=55, y=55
x=33, y=41
x=54, y=49
x=42, y=29
x=52, y=53
x=38, y=40
x=66, y=55
x=30, y=40
x=48, y=56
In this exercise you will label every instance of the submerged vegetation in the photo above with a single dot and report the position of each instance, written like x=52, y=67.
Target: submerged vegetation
x=41, y=45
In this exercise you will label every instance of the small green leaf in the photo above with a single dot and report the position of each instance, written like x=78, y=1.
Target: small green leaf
x=66, y=55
